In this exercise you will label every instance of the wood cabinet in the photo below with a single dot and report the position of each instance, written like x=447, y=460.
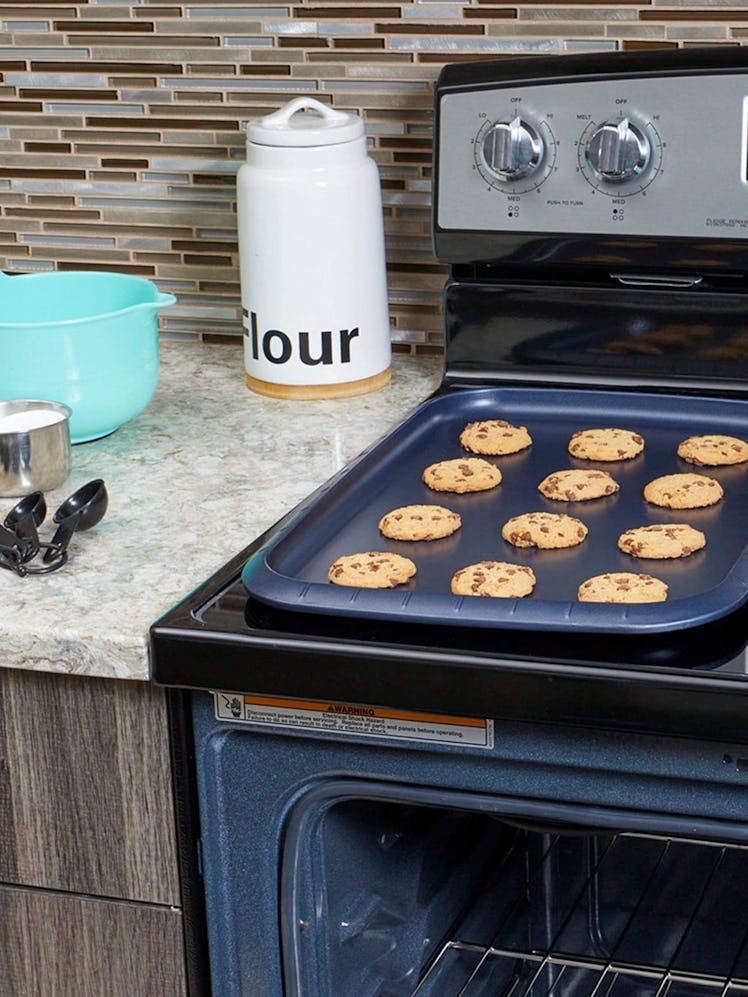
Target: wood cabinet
x=89, y=886
x=63, y=945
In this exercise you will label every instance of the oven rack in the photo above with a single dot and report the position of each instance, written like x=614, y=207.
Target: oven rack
x=527, y=974
x=594, y=908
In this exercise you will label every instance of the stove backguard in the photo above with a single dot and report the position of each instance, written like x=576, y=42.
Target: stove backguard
x=595, y=162
x=584, y=237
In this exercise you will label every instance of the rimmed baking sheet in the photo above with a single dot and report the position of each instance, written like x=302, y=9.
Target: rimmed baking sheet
x=290, y=572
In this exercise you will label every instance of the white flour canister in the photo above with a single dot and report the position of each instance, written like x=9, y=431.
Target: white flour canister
x=311, y=251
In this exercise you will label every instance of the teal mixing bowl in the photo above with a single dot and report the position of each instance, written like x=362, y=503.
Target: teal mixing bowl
x=88, y=340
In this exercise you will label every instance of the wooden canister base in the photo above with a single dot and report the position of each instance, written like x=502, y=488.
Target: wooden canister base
x=310, y=392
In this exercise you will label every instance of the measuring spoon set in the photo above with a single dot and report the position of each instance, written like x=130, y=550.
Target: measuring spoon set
x=19, y=537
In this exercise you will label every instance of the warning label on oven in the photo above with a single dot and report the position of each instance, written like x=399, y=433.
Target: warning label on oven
x=351, y=719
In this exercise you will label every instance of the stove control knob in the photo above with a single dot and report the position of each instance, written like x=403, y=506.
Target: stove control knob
x=512, y=149
x=618, y=151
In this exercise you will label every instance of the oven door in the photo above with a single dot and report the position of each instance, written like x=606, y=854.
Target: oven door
x=548, y=860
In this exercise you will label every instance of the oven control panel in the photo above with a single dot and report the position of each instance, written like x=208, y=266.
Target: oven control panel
x=665, y=156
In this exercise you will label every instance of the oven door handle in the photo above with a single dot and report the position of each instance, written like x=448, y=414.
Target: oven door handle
x=654, y=280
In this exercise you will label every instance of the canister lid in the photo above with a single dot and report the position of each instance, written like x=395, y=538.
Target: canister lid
x=314, y=124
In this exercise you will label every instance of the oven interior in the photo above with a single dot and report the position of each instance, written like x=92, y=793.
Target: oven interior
x=412, y=900
x=556, y=861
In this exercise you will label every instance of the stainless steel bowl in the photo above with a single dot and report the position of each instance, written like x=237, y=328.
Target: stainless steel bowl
x=34, y=446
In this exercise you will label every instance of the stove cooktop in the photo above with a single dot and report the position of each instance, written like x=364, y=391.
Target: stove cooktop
x=232, y=611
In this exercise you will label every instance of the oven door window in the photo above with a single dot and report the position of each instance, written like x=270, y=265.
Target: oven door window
x=395, y=900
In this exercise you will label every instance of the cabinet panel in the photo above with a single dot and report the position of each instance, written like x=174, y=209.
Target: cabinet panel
x=85, y=787
x=66, y=946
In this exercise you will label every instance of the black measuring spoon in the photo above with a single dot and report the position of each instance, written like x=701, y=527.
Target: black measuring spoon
x=11, y=549
x=82, y=510
x=23, y=520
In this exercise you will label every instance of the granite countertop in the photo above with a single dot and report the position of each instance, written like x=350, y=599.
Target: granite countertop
x=207, y=467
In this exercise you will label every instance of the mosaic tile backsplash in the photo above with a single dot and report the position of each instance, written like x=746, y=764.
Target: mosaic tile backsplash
x=121, y=123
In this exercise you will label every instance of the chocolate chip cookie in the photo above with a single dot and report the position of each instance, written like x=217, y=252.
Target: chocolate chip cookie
x=577, y=486
x=622, y=586
x=465, y=474
x=662, y=540
x=419, y=522
x=713, y=450
x=371, y=570
x=606, y=444
x=495, y=437
x=683, y=491
x=547, y=530
x=498, y=579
